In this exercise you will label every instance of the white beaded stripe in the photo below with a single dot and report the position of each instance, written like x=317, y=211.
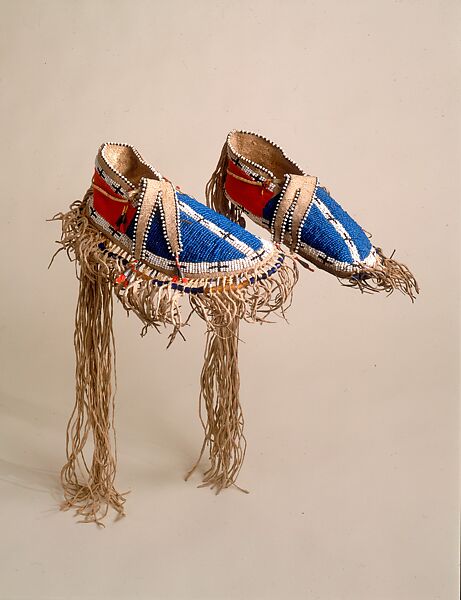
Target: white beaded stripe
x=159, y=205
x=369, y=261
x=138, y=213
x=288, y=217
x=121, y=238
x=304, y=219
x=178, y=221
x=149, y=224
x=201, y=267
x=288, y=221
x=282, y=193
x=339, y=228
x=136, y=217
x=231, y=239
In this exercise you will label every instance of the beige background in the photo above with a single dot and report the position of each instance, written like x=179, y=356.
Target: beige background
x=351, y=409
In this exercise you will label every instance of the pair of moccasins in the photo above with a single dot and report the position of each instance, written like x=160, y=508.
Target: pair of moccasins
x=181, y=237
x=139, y=237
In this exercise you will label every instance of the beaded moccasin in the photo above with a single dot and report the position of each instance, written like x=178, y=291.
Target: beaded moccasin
x=254, y=176
x=156, y=248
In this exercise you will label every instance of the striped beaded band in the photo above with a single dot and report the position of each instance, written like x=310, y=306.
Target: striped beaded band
x=235, y=281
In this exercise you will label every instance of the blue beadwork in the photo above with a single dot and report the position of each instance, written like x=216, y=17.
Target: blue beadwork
x=319, y=233
x=245, y=236
x=200, y=244
x=359, y=237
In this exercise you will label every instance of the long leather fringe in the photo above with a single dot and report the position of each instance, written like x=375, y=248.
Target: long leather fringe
x=214, y=190
x=387, y=275
x=89, y=486
x=220, y=410
x=222, y=305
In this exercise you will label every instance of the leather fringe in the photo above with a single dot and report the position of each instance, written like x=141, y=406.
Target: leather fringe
x=89, y=484
x=103, y=268
x=220, y=410
x=214, y=190
x=387, y=275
